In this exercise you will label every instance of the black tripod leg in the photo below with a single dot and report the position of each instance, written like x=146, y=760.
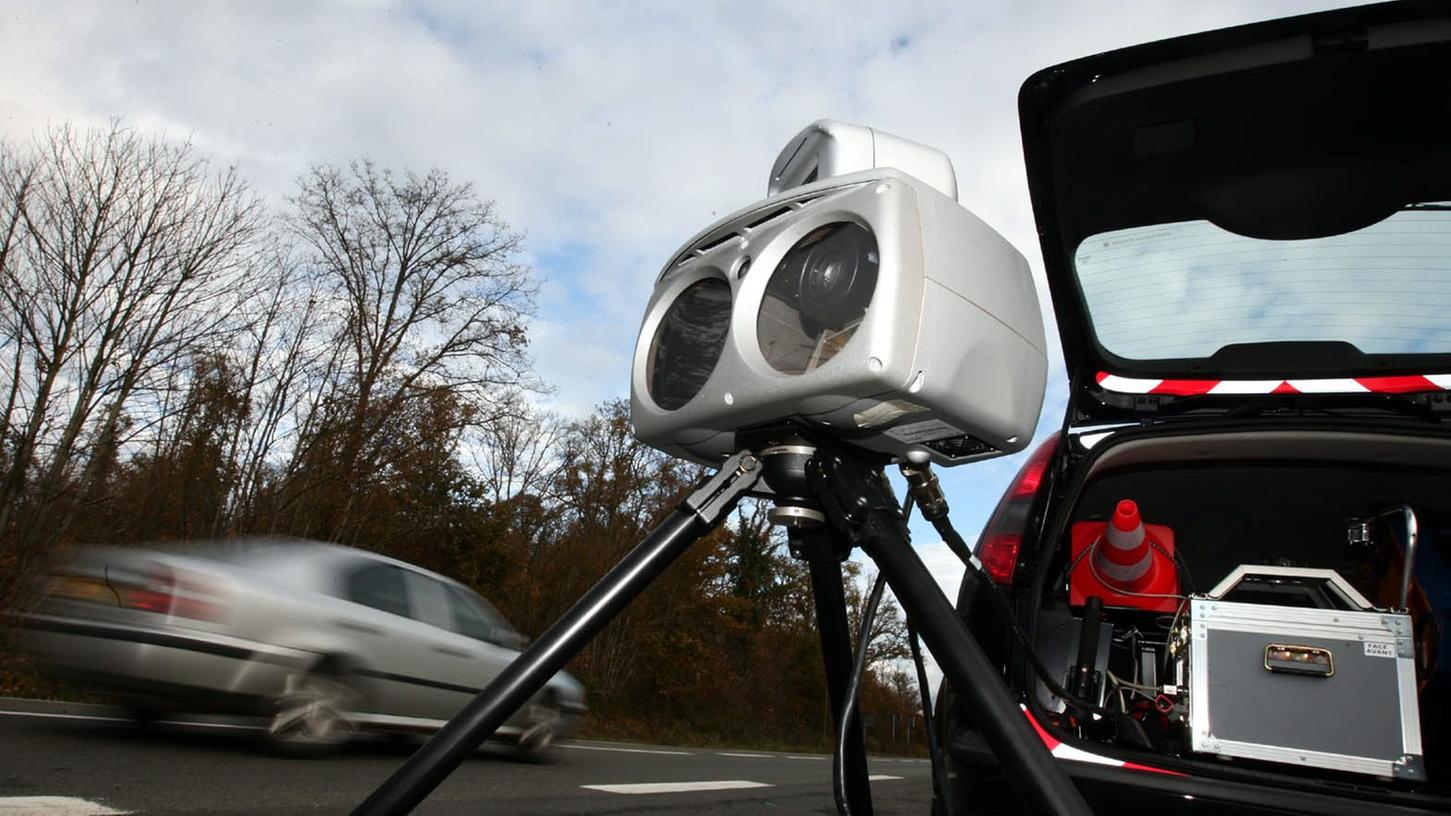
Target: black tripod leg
x=836, y=657
x=522, y=679
x=1038, y=778
x=859, y=500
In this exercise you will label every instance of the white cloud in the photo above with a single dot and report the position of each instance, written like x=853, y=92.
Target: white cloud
x=620, y=128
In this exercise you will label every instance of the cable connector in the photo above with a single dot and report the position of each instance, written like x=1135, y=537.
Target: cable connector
x=926, y=490
x=926, y=493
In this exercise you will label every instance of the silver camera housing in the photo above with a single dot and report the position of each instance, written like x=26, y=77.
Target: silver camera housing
x=948, y=361
x=827, y=148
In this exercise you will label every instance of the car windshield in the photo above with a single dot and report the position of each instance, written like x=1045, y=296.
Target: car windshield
x=1186, y=290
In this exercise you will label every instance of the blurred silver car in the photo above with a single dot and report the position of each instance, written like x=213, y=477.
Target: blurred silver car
x=321, y=639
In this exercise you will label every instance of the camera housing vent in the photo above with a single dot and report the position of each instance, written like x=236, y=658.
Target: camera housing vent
x=740, y=226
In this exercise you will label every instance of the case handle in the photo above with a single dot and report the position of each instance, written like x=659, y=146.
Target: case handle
x=1311, y=661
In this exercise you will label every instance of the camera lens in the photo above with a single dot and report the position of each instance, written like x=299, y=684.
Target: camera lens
x=688, y=343
x=837, y=278
x=817, y=297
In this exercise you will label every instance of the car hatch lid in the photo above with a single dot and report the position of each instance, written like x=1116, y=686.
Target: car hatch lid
x=1250, y=212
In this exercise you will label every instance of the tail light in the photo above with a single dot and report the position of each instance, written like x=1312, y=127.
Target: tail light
x=1002, y=538
x=165, y=592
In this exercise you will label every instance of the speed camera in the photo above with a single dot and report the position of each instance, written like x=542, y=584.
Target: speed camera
x=867, y=304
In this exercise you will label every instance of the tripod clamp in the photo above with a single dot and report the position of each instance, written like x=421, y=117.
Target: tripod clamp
x=715, y=499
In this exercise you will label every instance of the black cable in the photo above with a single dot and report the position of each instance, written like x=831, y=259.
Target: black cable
x=934, y=751
x=848, y=708
x=953, y=540
x=1005, y=611
x=1002, y=607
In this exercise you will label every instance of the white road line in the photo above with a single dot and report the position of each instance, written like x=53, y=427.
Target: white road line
x=63, y=717
x=751, y=756
x=883, y=777
x=678, y=787
x=225, y=726
x=822, y=758
x=53, y=806
x=624, y=750
x=95, y=718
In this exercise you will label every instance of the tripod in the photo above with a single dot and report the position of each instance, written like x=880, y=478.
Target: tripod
x=832, y=502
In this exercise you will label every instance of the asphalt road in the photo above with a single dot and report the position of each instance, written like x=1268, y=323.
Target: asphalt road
x=91, y=754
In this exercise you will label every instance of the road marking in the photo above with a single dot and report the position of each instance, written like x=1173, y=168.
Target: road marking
x=751, y=756
x=883, y=777
x=95, y=718
x=822, y=758
x=624, y=750
x=63, y=717
x=53, y=806
x=678, y=787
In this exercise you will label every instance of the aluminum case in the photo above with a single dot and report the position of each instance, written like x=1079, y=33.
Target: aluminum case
x=1360, y=718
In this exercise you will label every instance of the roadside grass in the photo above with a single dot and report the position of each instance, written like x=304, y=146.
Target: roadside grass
x=20, y=678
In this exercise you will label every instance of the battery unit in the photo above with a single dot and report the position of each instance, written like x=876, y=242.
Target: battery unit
x=1322, y=688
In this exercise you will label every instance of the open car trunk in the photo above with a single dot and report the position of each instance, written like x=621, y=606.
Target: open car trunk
x=1277, y=505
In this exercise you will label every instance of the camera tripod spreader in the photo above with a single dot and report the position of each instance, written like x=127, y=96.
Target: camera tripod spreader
x=840, y=503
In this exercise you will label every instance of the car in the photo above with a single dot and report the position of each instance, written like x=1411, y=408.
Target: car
x=322, y=640
x=1247, y=239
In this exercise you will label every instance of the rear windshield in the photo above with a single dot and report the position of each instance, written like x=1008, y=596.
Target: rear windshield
x=1185, y=290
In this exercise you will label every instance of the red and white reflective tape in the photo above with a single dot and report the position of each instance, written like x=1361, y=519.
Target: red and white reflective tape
x=1061, y=750
x=1408, y=384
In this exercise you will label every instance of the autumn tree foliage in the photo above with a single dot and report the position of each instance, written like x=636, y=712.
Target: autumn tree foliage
x=178, y=362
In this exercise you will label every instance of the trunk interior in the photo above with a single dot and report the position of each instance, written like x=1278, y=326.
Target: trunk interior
x=1262, y=501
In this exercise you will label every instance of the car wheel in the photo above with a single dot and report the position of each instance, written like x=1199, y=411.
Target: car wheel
x=537, y=742
x=311, y=717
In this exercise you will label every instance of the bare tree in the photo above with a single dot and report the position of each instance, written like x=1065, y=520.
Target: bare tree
x=278, y=348
x=517, y=454
x=125, y=255
x=427, y=292
x=17, y=173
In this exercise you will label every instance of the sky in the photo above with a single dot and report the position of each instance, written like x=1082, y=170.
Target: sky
x=607, y=132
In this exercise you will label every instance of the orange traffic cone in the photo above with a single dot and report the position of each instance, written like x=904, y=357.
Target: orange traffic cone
x=1123, y=556
x=1130, y=560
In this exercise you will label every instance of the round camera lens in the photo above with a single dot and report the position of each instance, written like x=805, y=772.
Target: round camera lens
x=817, y=297
x=688, y=343
x=831, y=294
x=837, y=277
